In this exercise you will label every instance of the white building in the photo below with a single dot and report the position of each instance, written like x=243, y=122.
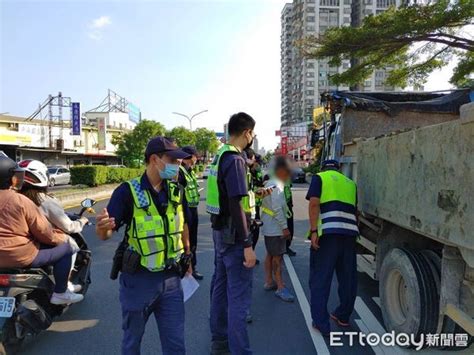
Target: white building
x=23, y=139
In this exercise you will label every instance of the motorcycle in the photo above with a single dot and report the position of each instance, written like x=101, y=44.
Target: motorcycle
x=25, y=309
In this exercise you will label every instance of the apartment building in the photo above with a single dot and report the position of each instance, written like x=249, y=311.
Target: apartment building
x=303, y=80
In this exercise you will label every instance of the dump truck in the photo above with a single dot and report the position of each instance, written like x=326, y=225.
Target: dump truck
x=412, y=157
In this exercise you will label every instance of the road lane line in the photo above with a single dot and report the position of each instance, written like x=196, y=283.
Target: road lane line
x=372, y=325
x=376, y=300
x=363, y=328
x=202, y=188
x=318, y=340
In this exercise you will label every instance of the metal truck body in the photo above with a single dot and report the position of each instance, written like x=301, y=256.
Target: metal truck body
x=415, y=177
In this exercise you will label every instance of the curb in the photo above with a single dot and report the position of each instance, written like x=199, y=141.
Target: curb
x=75, y=199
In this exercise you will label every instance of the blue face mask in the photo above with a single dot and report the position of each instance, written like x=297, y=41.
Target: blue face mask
x=169, y=172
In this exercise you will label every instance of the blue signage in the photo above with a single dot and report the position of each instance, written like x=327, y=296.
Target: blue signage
x=76, y=119
x=134, y=113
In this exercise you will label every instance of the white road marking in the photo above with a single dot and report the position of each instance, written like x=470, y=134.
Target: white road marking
x=363, y=328
x=202, y=188
x=318, y=340
x=376, y=300
x=372, y=325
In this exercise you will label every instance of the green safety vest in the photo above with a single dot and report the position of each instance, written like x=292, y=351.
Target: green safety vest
x=259, y=178
x=248, y=201
x=288, y=198
x=191, y=191
x=337, y=189
x=212, y=198
x=155, y=237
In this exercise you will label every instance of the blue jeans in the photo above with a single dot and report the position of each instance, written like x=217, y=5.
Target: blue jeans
x=231, y=296
x=144, y=293
x=335, y=253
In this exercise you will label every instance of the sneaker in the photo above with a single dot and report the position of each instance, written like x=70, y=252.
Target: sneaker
x=338, y=321
x=220, y=347
x=290, y=252
x=270, y=287
x=197, y=275
x=285, y=295
x=67, y=297
x=74, y=288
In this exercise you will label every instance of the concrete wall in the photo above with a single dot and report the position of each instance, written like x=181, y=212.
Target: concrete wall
x=365, y=124
x=422, y=179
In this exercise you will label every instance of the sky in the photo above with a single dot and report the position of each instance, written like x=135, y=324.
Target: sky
x=163, y=55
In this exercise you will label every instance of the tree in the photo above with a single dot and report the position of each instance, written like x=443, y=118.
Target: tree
x=131, y=145
x=410, y=42
x=182, y=136
x=206, y=141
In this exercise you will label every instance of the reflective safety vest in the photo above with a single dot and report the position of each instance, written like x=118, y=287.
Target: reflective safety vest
x=337, y=204
x=258, y=178
x=212, y=198
x=157, y=238
x=288, y=198
x=191, y=191
x=270, y=212
x=248, y=202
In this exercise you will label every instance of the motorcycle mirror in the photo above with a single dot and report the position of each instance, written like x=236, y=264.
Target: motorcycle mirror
x=88, y=203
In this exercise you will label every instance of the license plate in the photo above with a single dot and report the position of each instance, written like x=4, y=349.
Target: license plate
x=7, y=305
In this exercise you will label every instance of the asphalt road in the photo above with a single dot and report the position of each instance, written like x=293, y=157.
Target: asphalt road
x=94, y=326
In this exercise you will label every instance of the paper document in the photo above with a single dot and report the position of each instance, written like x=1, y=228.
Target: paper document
x=190, y=285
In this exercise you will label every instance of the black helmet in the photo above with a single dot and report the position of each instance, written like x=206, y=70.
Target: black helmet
x=8, y=168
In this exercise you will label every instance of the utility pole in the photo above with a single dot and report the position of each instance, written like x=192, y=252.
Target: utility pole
x=190, y=119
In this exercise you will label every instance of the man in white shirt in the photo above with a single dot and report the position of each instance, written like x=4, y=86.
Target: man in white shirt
x=275, y=229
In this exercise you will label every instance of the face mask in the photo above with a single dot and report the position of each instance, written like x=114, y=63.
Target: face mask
x=169, y=172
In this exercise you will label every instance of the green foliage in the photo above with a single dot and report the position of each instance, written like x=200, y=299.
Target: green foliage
x=409, y=42
x=206, y=141
x=268, y=157
x=200, y=168
x=131, y=146
x=182, y=136
x=94, y=175
x=312, y=168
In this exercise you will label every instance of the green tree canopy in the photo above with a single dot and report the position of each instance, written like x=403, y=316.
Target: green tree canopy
x=131, y=145
x=206, y=141
x=182, y=136
x=411, y=41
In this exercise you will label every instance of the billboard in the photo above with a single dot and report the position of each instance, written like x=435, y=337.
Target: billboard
x=134, y=113
x=102, y=130
x=76, y=118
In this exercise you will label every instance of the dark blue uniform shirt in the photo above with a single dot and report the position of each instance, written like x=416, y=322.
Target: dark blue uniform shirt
x=121, y=203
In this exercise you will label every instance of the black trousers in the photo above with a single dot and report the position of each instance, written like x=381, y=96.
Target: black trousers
x=291, y=227
x=193, y=232
x=256, y=230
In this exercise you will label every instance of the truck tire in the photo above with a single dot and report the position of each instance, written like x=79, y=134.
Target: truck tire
x=408, y=293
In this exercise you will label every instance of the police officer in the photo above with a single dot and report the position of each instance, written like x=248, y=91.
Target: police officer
x=235, y=258
x=188, y=179
x=156, y=234
x=332, y=215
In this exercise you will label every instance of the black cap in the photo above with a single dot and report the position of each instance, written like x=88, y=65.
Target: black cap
x=190, y=149
x=330, y=164
x=159, y=145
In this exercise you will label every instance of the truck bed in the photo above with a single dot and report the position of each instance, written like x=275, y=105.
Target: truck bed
x=422, y=180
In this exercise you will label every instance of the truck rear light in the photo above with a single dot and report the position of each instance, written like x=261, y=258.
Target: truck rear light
x=4, y=280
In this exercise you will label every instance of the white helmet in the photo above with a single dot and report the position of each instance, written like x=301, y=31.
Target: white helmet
x=36, y=173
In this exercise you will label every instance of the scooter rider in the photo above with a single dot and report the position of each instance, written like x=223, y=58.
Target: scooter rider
x=35, y=187
x=27, y=238
x=156, y=236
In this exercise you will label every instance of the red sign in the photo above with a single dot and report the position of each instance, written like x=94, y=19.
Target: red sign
x=302, y=151
x=284, y=145
x=278, y=133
